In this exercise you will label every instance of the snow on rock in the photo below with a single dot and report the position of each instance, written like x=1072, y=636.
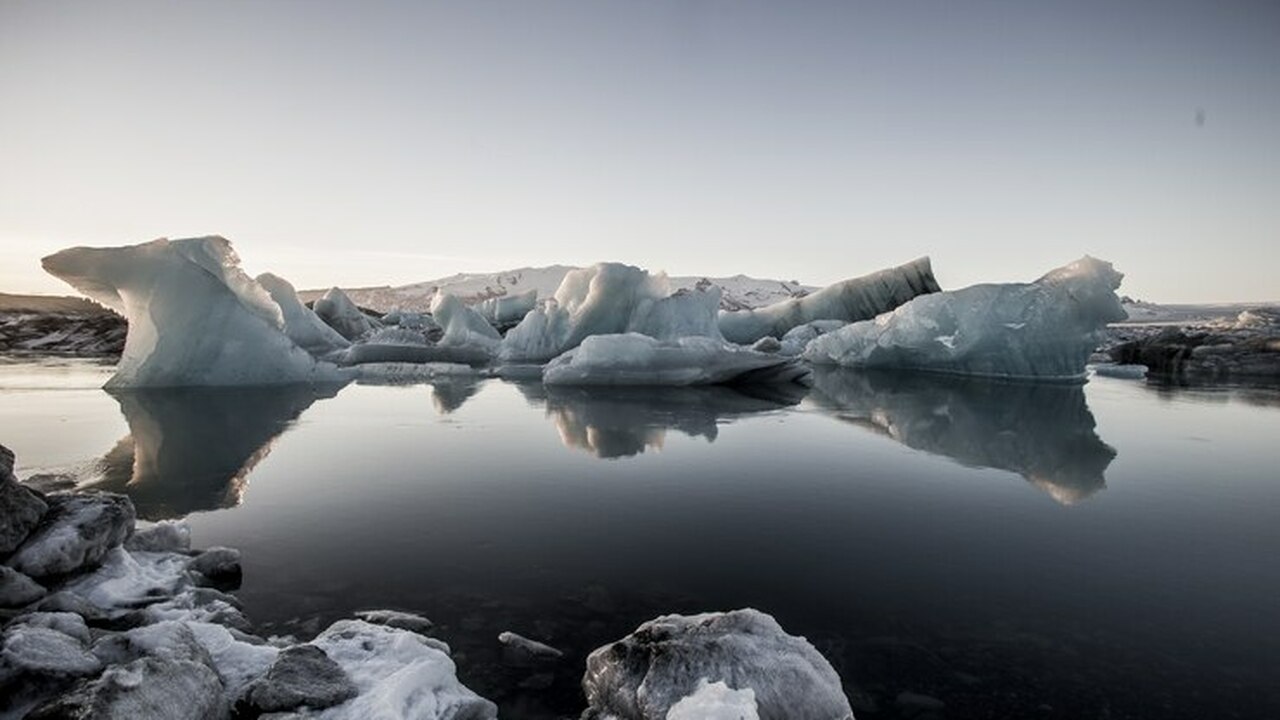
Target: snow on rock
x=665, y=661
x=301, y=324
x=44, y=644
x=399, y=675
x=164, y=536
x=20, y=508
x=851, y=300
x=302, y=675
x=338, y=312
x=397, y=619
x=128, y=580
x=715, y=701
x=1045, y=329
x=76, y=533
x=521, y=649
x=195, y=318
x=508, y=309
x=635, y=359
x=607, y=298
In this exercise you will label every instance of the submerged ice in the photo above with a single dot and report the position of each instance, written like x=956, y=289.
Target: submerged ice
x=1044, y=329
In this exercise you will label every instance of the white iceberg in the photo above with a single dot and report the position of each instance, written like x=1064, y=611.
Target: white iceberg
x=635, y=359
x=1046, y=329
x=668, y=665
x=860, y=298
x=195, y=318
x=339, y=313
x=301, y=324
x=507, y=309
x=463, y=326
x=606, y=299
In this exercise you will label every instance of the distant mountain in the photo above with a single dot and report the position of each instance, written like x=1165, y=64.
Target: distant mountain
x=738, y=291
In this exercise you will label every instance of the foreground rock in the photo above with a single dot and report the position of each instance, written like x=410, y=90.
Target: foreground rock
x=301, y=676
x=681, y=663
x=20, y=508
x=76, y=533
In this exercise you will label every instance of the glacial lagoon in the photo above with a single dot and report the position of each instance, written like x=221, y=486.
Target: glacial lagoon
x=957, y=548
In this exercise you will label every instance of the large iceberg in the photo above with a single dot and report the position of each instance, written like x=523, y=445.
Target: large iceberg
x=1044, y=329
x=851, y=300
x=301, y=324
x=195, y=318
x=605, y=299
x=635, y=359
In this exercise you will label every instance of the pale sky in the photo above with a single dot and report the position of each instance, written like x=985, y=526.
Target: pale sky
x=359, y=143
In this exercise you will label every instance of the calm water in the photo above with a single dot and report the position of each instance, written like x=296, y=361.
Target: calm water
x=1015, y=551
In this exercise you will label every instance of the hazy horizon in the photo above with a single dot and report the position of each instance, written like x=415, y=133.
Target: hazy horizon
x=390, y=143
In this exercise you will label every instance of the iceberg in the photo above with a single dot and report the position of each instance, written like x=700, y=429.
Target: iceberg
x=195, y=318
x=860, y=298
x=339, y=313
x=1045, y=329
x=506, y=310
x=676, y=664
x=301, y=324
x=463, y=326
x=608, y=299
x=635, y=359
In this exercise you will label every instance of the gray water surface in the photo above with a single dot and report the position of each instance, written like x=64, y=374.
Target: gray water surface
x=1011, y=550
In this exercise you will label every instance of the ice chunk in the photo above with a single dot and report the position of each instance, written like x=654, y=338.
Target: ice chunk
x=1041, y=431
x=634, y=359
x=860, y=298
x=397, y=619
x=508, y=309
x=301, y=324
x=463, y=326
x=399, y=674
x=658, y=667
x=339, y=313
x=1045, y=329
x=715, y=701
x=523, y=649
x=799, y=337
x=194, y=317
x=609, y=298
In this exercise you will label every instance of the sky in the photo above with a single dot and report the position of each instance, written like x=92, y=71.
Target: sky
x=369, y=143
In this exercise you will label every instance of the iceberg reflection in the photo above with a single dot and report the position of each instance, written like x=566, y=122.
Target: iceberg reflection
x=190, y=449
x=621, y=422
x=1042, y=431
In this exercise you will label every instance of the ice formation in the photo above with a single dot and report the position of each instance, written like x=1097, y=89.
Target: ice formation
x=301, y=324
x=1041, y=431
x=668, y=663
x=339, y=313
x=194, y=317
x=715, y=701
x=635, y=359
x=609, y=298
x=856, y=299
x=507, y=309
x=1045, y=329
x=463, y=326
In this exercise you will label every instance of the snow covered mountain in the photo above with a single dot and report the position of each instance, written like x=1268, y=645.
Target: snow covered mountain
x=739, y=291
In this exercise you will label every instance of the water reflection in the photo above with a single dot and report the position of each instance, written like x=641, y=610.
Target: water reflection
x=190, y=449
x=1042, y=431
x=621, y=422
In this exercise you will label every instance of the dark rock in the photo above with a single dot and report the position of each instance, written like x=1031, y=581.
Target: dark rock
x=20, y=508
x=16, y=589
x=219, y=565
x=75, y=534
x=1205, y=354
x=303, y=675
x=149, y=687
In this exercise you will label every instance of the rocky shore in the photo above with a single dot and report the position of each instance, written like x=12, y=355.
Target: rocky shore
x=105, y=619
